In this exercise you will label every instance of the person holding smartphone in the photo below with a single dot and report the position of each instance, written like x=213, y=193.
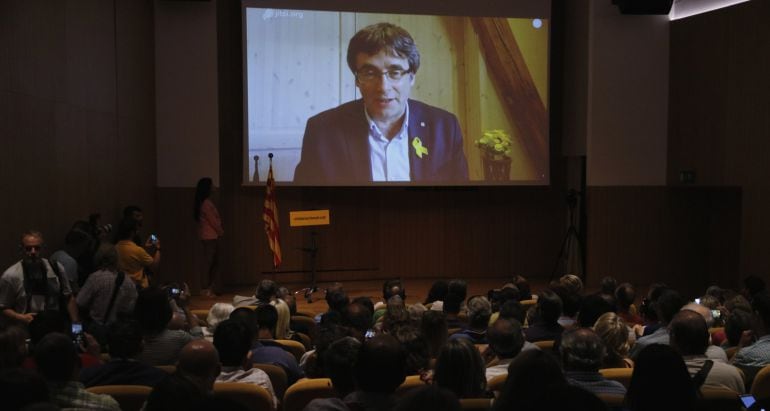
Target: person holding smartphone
x=209, y=232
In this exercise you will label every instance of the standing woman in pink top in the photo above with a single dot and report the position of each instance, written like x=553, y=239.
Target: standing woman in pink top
x=209, y=231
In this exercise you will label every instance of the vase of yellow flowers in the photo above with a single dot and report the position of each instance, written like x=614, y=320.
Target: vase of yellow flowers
x=495, y=148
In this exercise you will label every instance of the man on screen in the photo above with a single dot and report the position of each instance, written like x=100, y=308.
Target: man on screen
x=384, y=136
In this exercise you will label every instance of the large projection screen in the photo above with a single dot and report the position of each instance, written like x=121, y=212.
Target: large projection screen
x=478, y=75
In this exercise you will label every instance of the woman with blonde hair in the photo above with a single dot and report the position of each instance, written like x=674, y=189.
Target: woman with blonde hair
x=282, y=330
x=615, y=334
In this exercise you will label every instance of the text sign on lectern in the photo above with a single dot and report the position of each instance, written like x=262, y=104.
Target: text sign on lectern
x=308, y=218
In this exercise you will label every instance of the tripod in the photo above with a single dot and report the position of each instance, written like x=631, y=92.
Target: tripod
x=312, y=251
x=571, y=239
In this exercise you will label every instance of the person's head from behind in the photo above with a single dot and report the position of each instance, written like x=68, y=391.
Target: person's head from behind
x=127, y=228
x=266, y=290
x=203, y=188
x=625, y=295
x=13, y=346
x=459, y=287
x=479, y=311
x=381, y=365
x=106, y=257
x=591, y=308
x=152, y=310
x=125, y=339
x=513, y=310
x=525, y=291
x=267, y=318
x=452, y=304
x=135, y=213
x=199, y=363
x=358, y=318
x=249, y=318
x=282, y=326
x=607, y=285
x=429, y=398
x=614, y=332
x=57, y=358
x=437, y=291
x=549, y=307
x=460, y=369
x=572, y=283
x=393, y=287
x=417, y=351
x=339, y=361
x=660, y=372
x=218, y=313
x=689, y=333
x=433, y=328
x=736, y=323
x=531, y=376
x=505, y=338
x=20, y=388
x=701, y=309
x=77, y=242
x=336, y=298
x=232, y=340
x=581, y=350
x=384, y=59
x=668, y=303
x=760, y=305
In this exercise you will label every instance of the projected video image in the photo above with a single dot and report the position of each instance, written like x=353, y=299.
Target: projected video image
x=359, y=99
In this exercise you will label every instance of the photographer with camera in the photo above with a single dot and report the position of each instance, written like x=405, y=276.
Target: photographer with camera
x=133, y=259
x=107, y=293
x=34, y=284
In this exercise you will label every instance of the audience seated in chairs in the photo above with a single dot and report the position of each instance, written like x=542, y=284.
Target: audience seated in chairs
x=690, y=337
x=193, y=381
x=753, y=356
x=506, y=341
x=161, y=344
x=665, y=306
x=58, y=362
x=216, y=314
x=479, y=311
x=532, y=375
x=264, y=354
x=625, y=295
x=611, y=328
x=48, y=322
x=452, y=308
x=545, y=325
x=582, y=352
x=660, y=381
x=379, y=371
x=460, y=369
x=233, y=339
x=417, y=354
x=125, y=344
x=433, y=327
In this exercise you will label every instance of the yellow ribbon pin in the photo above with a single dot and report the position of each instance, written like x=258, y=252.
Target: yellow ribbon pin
x=419, y=149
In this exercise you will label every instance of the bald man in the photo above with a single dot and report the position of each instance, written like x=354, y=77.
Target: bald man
x=199, y=363
x=193, y=381
x=690, y=337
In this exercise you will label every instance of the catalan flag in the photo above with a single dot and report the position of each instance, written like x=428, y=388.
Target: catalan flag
x=270, y=216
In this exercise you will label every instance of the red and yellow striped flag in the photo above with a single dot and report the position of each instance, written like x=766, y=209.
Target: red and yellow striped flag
x=270, y=216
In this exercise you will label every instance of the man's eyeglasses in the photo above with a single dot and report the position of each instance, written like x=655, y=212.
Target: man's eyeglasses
x=367, y=75
x=33, y=247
